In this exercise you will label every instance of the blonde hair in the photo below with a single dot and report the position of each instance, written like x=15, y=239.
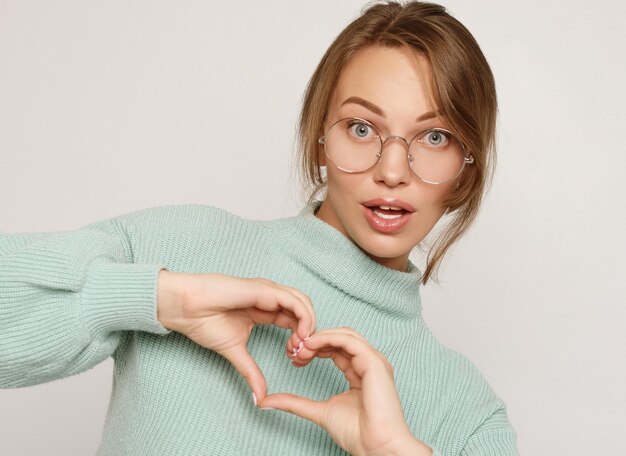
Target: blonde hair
x=464, y=92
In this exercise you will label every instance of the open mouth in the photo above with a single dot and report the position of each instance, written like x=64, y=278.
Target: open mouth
x=386, y=219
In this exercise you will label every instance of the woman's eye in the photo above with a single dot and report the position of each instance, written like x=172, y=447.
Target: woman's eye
x=360, y=130
x=436, y=138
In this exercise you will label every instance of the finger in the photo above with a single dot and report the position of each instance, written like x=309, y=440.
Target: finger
x=296, y=342
x=341, y=359
x=344, y=363
x=339, y=339
x=303, y=330
x=245, y=364
x=344, y=330
x=308, y=305
x=306, y=352
x=293, y=346
x=282, y=318
x=361, y=354
x=273, y=299
x=296, y=346
x=300, y=406
x=301, y=355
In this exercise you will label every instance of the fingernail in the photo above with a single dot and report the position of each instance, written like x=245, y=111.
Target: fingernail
x=307, y=337
x=295, y=350
x=254, y=398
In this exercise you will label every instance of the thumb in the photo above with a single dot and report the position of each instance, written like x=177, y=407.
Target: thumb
x=303, y=407
x=245, y=364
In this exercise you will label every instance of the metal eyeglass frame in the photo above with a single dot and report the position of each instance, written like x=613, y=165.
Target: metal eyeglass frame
x=466, y=159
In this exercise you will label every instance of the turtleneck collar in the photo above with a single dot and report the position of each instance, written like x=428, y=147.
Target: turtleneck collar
x=332, y=256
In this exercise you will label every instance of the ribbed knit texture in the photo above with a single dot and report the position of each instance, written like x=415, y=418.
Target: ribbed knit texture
x=69, y=300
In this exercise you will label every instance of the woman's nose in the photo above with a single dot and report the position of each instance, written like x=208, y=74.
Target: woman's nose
x=393, y=165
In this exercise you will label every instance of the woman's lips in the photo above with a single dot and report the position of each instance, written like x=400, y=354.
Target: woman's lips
x=384, y=225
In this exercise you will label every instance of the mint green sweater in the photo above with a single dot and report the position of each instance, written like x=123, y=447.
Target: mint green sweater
x=69, y=300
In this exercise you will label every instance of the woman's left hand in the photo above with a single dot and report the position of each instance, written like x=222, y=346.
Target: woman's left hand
x=367, y=419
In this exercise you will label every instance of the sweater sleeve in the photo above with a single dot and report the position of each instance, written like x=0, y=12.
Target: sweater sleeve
x=66, y=299
x=495, y=437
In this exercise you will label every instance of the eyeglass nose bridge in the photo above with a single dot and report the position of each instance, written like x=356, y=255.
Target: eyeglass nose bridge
x=394, y=137
x=409, y=156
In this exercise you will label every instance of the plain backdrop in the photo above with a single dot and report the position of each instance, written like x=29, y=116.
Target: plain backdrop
x=110, y=107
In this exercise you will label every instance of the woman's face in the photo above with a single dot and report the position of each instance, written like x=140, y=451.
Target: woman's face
x=387, y=87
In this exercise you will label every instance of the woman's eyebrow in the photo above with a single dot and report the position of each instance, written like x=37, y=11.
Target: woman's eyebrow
x=378, y=110
x=366, y=104
x=428, y=115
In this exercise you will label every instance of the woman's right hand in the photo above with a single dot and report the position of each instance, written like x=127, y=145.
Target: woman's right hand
x=219, y=311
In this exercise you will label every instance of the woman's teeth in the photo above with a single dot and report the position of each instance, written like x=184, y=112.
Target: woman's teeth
x=387, y=215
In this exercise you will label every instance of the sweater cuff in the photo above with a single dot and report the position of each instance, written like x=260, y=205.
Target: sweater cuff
x=121, y=297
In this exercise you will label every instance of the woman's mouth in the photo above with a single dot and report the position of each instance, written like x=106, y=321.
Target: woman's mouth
x=386, y=219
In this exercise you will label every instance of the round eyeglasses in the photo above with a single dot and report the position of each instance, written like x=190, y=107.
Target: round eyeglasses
x=435, y=155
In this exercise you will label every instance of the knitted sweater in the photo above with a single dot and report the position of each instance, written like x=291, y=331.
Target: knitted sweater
x=69, y=300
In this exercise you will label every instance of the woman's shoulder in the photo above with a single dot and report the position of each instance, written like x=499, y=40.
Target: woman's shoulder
x=180, y=214
x=180, y=224
x=189, y=213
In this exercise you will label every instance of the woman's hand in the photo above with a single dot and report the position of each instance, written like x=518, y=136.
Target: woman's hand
x=219, y=311
x=367, y=419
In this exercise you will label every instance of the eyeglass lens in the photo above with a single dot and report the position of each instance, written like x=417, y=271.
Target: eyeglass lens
x=434, y=155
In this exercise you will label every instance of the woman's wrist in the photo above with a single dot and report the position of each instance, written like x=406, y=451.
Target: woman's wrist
x=169, y=300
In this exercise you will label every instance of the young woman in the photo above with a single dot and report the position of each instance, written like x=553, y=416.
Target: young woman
x=198, y=307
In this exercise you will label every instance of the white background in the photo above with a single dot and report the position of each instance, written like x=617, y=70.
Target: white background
x=110, y=107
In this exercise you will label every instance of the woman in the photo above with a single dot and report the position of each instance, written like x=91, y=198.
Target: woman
x=193, y=303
